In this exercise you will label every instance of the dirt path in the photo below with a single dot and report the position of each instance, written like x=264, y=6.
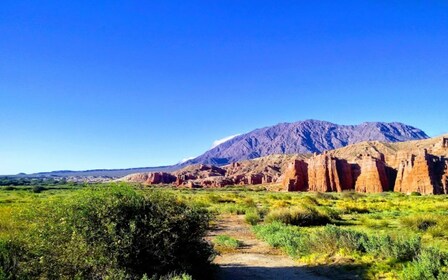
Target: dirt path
x=255, y=259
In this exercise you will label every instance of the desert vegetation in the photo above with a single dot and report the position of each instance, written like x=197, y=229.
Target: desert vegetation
x=119, y=231
x=104, y=232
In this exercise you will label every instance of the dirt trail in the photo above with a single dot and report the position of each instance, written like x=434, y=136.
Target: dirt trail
x=255, y=259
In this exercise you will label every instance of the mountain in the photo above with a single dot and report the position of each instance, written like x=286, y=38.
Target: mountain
x=304, y=137
x=371, y=166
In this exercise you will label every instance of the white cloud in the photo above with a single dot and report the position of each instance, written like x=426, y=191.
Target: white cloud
x=225, y=139
x=185, y=159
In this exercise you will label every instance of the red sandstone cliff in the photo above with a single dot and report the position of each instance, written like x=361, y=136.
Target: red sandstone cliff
x=373, y=176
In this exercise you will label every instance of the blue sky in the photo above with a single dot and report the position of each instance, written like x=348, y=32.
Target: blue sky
x=116, y=84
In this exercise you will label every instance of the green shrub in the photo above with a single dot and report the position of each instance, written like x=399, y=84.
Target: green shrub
x=402, y=249
x=38, y=189
x=325, y=196
x=115, y=232
x=331, y=239
x=9, y=255
x=299, y=216
x=430, y=264
x=421, y=222
x=252, y=217
x=309, y=201
x=227, y=242
x=279, y=235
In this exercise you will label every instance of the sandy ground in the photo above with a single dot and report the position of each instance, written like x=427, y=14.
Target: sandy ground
x=255, y=259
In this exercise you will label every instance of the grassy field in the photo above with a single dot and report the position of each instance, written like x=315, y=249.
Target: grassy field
x=377, y=236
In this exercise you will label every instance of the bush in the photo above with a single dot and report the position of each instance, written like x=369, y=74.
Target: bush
x=420, y=223
x=330, y=240
x=401, y=249
x=9, y=255
x=252, y=218
x=38, y=189
x=299, y=216
x=279, y=235
x=430, y=264
x=227, y=242
x=116, y=233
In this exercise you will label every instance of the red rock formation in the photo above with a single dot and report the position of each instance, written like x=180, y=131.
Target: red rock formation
x=372, y=177
x=445, y=177
x=323, y=174
x=423, y=173
x=160, y=178
x=344, y=170
x=296, y=176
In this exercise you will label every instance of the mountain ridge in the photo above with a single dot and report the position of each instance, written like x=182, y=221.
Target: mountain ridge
x=308, y=136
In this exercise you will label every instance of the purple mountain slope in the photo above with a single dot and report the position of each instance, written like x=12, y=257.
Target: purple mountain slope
x=303, y=137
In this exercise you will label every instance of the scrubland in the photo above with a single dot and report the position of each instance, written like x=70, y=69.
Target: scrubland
x=117, y=231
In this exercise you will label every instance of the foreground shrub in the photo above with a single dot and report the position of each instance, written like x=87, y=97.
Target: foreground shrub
x=115, y=233
x=9, y=256
x=298, y=216
x=431, y=264
x=401, y=249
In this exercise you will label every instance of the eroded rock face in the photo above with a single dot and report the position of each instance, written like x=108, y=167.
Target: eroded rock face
x=160, y=178
x=296, y=176
x=153, y=178
x=423, y=173
x=321, y=173
x=372, y=177
x=445, y=178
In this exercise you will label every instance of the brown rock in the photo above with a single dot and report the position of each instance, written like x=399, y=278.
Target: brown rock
x=160, y=178
x=423, y=173
x=323, y=175
x=373, y=177
x=296, y=176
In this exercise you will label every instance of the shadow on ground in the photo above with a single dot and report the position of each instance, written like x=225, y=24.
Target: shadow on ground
x=337, y=272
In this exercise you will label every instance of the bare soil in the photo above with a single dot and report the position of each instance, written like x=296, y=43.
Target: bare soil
x=255, y=259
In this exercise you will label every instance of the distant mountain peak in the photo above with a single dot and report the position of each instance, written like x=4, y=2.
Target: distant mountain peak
x=307, y=136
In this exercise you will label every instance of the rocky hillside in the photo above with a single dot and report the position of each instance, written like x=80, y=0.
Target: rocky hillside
x=304, y=137
x=412, y=166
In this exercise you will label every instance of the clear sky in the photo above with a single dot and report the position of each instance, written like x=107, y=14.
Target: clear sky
x=117, y=84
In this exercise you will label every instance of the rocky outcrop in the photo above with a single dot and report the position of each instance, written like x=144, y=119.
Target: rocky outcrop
x=322, y=174
x=296, y=176
x=372, y=176
x=444, y=142
x=152, y=178
x=422, y=173
x=445, y=177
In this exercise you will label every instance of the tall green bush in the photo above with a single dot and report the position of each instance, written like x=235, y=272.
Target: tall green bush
x=115, y=233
